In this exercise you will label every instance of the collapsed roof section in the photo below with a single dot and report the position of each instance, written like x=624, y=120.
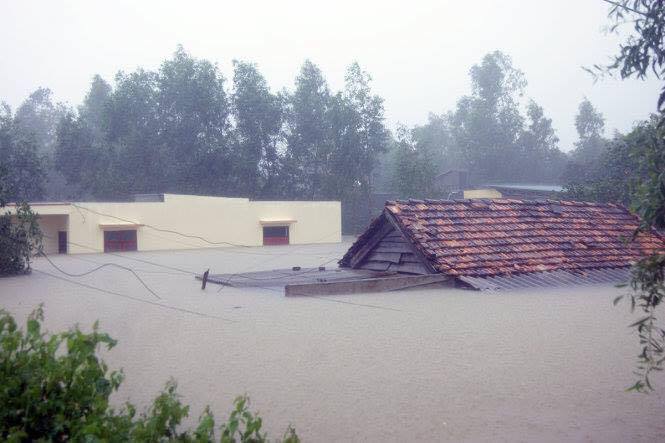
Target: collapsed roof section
x=501, y=237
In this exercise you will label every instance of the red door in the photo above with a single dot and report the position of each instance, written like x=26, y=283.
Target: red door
x=115, y=241
x=275, y=235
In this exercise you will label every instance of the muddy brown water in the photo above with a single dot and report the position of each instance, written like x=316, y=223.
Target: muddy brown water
x=430, y=365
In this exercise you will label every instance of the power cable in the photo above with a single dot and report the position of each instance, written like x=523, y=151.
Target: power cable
x=106, y=291
x=168, y=231
x=42, y=253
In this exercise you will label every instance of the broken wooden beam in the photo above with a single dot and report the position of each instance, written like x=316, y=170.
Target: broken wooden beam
x=382, y=284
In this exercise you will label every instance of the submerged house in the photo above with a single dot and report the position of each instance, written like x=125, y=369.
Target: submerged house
x=503, y=243
x=154, y=222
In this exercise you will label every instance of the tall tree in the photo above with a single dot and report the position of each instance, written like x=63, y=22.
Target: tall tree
x=308, y=134
x=131, y=128
x=82, y=154
x=590, y=125
x=257, y=114
x=20, y=163
x=435, y=138
x=95, y=110
x=40, y=116
x=193, y=113
x=539, y=156
x=414, y=168
x=487, y=124
x=641, y=54
x=371, y=131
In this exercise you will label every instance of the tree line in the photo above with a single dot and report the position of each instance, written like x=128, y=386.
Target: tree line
x=185, y=128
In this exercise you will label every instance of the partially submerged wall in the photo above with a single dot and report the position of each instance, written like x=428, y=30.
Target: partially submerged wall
x=204, y=221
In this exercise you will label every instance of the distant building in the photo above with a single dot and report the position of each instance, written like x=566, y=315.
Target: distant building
x=514, y=191
x=527, y=191
x=503, y=243
x=168, y=221
x=452, y=180
x=458, y=183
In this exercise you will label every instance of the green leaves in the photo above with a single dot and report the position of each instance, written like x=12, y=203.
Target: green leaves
x=55, y=387
x=19, y=240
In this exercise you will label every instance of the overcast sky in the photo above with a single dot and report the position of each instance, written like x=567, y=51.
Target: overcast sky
x=418, y=53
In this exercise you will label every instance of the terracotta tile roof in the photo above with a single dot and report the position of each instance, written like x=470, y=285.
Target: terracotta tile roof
x=504, y=236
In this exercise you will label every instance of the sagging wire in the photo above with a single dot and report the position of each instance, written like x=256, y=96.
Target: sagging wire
x=69, y=274
x=140, y=300
x=168, y=231
x=104, y=265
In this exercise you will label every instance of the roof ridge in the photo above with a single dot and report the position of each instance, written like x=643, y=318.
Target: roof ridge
x=411, y=201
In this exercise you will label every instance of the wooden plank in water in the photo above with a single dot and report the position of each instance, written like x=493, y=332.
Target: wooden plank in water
x=283, y=277
x=382, y=284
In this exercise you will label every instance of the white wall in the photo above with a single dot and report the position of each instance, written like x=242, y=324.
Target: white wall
x=222, y=221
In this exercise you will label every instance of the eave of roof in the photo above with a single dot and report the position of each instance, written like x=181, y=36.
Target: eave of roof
x=481, y=238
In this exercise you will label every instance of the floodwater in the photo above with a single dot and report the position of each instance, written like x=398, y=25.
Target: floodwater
x=434, y=365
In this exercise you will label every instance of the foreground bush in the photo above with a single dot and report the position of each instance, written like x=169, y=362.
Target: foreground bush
x=55, y=388
x=20, y=238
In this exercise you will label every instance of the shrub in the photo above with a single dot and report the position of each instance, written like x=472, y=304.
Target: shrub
x=19, y=239
x=55, y=388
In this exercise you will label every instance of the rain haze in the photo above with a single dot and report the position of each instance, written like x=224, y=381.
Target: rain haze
x=332, y=221
x=418, y=53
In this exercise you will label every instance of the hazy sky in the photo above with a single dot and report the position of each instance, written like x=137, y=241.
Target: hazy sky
x=418, y=52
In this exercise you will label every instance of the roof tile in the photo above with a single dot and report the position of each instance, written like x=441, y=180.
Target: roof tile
x=503, y=236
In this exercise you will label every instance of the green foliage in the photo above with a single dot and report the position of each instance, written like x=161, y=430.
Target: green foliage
x=616, y=175
x=178, y=130
x=23, y=174
x=258, y=123
x=590, y=125
x=643, y=53
x=414, y=167
x=54, y=387
x=648, y=287
x=243, y=426
x=487, y=124
x=20, y=238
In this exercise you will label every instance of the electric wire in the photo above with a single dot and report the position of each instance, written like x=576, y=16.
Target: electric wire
x=69, y=274
x=327, y=299
x=104, y=265
x=140, y=300
x=237, y=274
x=182, y=234
x=169, y=231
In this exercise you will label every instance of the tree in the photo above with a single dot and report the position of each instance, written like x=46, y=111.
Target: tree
x=55, y=387
x=129, y=126
x=371, y=130
x=257, y=114
x=642, y=54
x=615, y=176
x=20, y=235
x=358, y=139
x=20, y=160
x=487, y=124
x=95, y=110
x=155, y=131
x=83, y=153
x=590, y=125
x=39, y=116
x=193, y=116
x=539, y=157
x=435, y=138
x=414, y=167
x=308, y=139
